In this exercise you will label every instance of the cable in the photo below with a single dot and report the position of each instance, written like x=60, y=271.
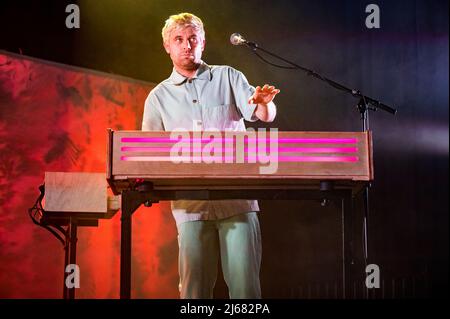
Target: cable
x=38, y=210
x=273, y=64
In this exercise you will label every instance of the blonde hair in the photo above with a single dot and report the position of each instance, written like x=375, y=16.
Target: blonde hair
x=182, y=20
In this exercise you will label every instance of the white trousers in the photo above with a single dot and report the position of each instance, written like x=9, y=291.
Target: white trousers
x=237, y=240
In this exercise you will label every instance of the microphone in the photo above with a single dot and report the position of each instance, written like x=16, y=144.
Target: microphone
x=237, y=39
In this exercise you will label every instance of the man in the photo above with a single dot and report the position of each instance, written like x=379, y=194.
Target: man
x=207, y=97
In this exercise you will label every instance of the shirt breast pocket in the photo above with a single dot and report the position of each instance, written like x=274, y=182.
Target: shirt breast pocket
x=221, y=117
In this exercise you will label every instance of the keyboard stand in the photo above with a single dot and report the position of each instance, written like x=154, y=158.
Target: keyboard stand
x=132, y=199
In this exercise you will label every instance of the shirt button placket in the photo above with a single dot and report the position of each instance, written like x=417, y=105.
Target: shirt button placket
x=195, y=100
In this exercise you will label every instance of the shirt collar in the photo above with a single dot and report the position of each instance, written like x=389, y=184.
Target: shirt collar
x=203, y=73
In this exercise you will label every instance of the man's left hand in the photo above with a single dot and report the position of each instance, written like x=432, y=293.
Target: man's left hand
x=263, y=95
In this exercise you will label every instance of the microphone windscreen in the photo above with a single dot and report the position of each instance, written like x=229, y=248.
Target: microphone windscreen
x=236, y=39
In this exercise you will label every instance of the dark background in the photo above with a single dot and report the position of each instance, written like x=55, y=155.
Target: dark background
x=404, y=64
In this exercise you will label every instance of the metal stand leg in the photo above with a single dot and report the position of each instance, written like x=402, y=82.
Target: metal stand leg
x=70, y=254
x=131, y=200
x=347, y=244
x=66, y=262
x=366, y=233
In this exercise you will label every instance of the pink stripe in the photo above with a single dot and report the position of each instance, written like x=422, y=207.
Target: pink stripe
x=318, y=149
x=221, y=140
x=170, y=159
x=317, y=159
x=223, y=159
x=246, y=149
x=164, y=149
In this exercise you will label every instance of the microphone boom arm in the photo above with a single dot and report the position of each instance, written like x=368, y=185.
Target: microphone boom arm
x=356, y=93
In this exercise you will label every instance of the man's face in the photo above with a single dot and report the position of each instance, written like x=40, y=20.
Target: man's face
x=185, y=47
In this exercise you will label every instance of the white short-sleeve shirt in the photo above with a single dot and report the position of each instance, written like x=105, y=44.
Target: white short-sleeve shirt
x=216, y=98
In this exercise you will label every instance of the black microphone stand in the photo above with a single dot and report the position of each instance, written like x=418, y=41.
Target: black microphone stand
x=365, y=104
